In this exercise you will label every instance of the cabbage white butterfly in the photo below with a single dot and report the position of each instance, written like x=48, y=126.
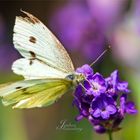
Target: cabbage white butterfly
x=46, y=66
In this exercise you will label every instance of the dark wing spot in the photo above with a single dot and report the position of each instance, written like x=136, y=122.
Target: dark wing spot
x=32, y=39
x=35, y=19
x=32, y=20
x=18, y=87
x=33, y=57
x=31, y=62
x=32, y=54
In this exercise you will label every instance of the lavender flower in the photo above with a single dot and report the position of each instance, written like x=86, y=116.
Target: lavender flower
x=97, y=85
x=114, y=85
x=102, y=101
x=126, y=107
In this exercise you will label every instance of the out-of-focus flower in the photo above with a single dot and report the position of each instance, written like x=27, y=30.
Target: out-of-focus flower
x=136, y=8
x=103, y=110
x=107, y=13
x=126, y=38
x=76, y=28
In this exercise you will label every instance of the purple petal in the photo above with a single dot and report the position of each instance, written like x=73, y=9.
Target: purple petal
x=85, y=69
x=114, y=76
x=85, y=112
x=90, y=92
x=96, y=93
x=97, y=113
x=98, y=84
x=86, y=84
x=111, y=109
x=98, y=78
x=108, y=99
x=130, y=108
x=113, y=79
x=123, y=86
x=122, y=104
x=105, y=114
x=79, y=118
x=99, y=129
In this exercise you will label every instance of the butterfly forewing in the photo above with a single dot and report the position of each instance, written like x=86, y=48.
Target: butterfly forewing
x=34, y=41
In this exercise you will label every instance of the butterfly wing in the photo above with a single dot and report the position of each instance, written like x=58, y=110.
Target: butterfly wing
x=34, y=41
x=34, y=93
x=34, y=69
x=45, y=66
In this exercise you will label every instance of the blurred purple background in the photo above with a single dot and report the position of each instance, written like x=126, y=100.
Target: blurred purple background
x=85, y=28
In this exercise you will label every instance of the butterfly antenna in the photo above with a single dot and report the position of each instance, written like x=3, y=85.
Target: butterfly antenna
x=100, y=56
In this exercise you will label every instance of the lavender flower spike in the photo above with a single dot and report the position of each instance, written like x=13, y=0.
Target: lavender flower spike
x=97, y=100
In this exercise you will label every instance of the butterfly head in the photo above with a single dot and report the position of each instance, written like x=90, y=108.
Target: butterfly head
x=81, y=74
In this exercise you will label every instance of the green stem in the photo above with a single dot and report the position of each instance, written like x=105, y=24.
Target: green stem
x=110, y=135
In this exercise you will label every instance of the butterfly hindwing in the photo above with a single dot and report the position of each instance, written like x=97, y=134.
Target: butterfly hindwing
x=34, y=93
x=34, y=69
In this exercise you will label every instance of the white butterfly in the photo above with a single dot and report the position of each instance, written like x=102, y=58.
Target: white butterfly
x=46, y=66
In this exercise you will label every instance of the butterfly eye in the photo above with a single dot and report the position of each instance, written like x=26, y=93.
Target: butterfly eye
x=70, y=77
